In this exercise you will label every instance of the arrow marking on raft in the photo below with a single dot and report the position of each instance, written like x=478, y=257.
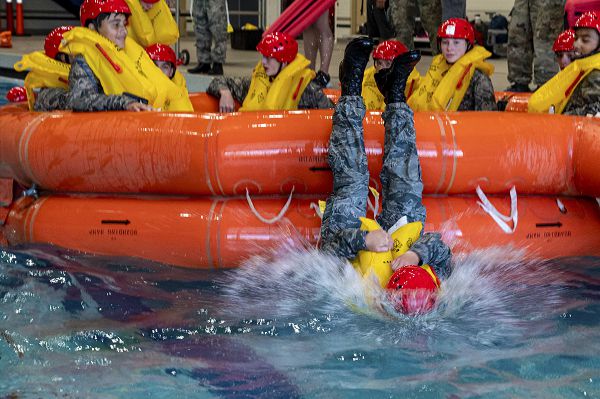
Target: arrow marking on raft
x=557, y=224
x=108, y=221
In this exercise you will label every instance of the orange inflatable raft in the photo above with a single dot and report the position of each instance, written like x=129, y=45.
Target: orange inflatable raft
x=216, y=233
x=171, y=184
x=270, y=152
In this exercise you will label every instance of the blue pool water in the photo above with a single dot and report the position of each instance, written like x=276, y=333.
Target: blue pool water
x=5, y=85
x=74, y=325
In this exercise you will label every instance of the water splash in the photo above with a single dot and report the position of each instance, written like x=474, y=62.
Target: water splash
x=492, y=295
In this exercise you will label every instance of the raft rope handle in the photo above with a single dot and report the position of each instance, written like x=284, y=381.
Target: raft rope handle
x=561, y=207
x=500, y=219
x=317, y=210
x=276, y=218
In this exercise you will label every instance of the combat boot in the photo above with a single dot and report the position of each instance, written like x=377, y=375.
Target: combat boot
x=352, y=67
x=216, y=69
x=391, y=82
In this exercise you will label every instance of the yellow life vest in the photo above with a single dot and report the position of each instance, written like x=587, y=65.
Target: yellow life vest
x=182, y=103
x=44, y=72
x=379, y=263
x=122, y=71
x=283, y=92
x=556, y=93
x=156, y=25
x=444, y=86
x=373, y=98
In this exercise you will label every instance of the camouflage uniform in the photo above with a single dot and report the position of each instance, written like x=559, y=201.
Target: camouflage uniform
x=480, y=94
x=586, y=96
x=534, y=25
x=210, y=22
x=403, y=19
x=400, y=178
x=312, y=97
x=51, y=99
x=454, y=9
x=86, y=93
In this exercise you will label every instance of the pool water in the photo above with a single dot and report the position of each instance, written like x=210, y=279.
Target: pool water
x=293, y=324
x=5, y=85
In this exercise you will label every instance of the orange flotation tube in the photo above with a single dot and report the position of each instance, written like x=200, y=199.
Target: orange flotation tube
x=216, y=233
x=271, y=152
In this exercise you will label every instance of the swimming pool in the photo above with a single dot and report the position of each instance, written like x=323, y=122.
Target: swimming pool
x=5, y=86
x=76, y=325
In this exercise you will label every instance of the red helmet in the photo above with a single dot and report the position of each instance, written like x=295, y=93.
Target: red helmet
x=456, y=28
x=388, y=50
x=53, y=40
x=90, y=9
x=16, y=94
x=414, y=290
x=162, y=52
x=590, y=20
x=278, y=45
x=564, y=42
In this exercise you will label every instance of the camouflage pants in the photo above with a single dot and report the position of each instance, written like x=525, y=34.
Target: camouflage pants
x=403, y=13
x=210, y=22
x=402, y=187
x=454, y=9
x=534, y=25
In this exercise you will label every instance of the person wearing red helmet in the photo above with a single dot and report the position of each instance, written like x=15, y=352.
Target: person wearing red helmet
x=458, y=78
x=46, y=83
x=151, y=22
x=564, y=49
x=402, y=185
x=383, y=55
x=413, y=289
x=575, y=90
x=165, y=59
x=281, y=80
x=110, y=70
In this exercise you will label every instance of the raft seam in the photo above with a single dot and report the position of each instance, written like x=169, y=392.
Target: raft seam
x=38, y=205
x=206, y=168
x=24, y=145
x=454, y=159
x=442, y=131
x=211, y=212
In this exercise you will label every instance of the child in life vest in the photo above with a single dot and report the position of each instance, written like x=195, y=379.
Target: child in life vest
x=383, y=55
x=281, y=80
x=96, y=61
x=165, y=59
x=575, y=90
x=458, y=78
x=564, y=49
x=151, y=22
x=402, y=186
x=47, y=82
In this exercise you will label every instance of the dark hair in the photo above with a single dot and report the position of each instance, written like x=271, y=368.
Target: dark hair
x=100, y=18
x=62, y=57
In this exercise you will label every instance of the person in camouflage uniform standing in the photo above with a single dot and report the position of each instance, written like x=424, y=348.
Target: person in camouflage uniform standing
x=210, y=22
x=402, y=13
x=533, y=26
x=402, y=187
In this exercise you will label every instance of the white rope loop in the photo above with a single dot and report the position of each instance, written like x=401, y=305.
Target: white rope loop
x=500, y=219
x=274, y=219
